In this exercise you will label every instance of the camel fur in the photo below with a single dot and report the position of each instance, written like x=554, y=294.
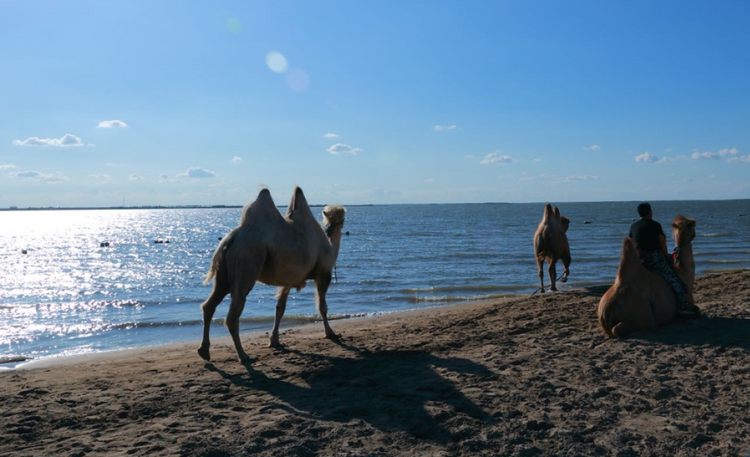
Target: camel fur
x=551, y=245
x=640, y=300
x=283, y=251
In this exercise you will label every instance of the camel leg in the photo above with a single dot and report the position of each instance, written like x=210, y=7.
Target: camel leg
x=566, y=268
x=209, y=307
x=282, y=295
x=552, y=276
x=321, y=285
x=244, y=282
x=540, y=272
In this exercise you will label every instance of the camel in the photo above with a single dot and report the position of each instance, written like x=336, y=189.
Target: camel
x=640, y=300
x=283, y=251
x=551, y=244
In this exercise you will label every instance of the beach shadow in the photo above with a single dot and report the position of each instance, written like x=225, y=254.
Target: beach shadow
x=725, y=332
x=409, y=391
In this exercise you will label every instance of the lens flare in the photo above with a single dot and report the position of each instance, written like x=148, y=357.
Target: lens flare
x=276, y=62
x=297, y=80
x=234, y=25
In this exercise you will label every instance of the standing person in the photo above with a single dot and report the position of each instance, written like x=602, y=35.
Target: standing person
x=651, y=244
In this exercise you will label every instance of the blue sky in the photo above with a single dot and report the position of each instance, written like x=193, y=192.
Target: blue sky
x=198, y=102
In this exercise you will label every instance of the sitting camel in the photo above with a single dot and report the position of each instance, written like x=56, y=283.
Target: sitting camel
x=551, y=244
x=283, y=251
x=640, y=300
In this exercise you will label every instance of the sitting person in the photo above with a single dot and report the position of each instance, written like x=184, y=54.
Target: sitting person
x=651, y=244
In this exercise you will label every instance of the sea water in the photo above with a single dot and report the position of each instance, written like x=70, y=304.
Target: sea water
x=71, y=293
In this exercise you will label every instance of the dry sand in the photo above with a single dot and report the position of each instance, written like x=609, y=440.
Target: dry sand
x=525, y=376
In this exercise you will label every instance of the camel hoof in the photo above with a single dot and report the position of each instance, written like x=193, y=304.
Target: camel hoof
x=274, y=344
x=205, y=353
x=564, y=279
x=332, y=336
x=244, y=359
x=553, y=289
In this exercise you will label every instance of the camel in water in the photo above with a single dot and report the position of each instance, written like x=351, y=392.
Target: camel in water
x=551, y=244
x=640, y=300
x=283, y=251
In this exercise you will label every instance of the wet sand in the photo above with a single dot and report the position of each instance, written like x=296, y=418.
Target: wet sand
x=524, y=376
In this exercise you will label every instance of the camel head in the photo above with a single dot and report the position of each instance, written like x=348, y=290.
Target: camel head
x=565, y=222
x=333, y=216
x=683, y=230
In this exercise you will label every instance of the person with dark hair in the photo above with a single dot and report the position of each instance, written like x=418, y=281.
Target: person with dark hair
x=651, y=244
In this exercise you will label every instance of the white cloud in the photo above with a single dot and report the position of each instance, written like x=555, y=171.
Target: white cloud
x=67, y=140
x=113, y=124
x=37, y=176
x=496, y=157
x=666, y=160
x=136, y=177
x=340, y=148
x=101, y=176
x=7, y=166
x=593, y=147
x=581, y=178
x=546, y=175
x=729, y=152
x=444, y=128
x=646, y=157
x=196, y=172
x=429, y=180
x=708, y=155
x=739, y=159
x=537, y=160
x=236, y=159
x=331, y=135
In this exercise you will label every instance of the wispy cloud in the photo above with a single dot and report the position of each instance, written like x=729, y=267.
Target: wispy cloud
x=37, y=176
x=537, y=160
x=135, y=177
x=331, y=135
x=497, y=157
x=444, y=128
x=729, y=152
x=708, y=155
x=581, y=178
x=196, y=172
x=739, y=159
x=7, y=166
x=113, y=124
x=593, y=147
x=429, y=180
x=340, y=148
x=102, y=177
x=236, y=159
x=67, y=140
x=646, y=157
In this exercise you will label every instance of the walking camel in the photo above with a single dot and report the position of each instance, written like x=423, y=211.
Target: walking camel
x=551, y=244
x=640, y=300
x=283, y=251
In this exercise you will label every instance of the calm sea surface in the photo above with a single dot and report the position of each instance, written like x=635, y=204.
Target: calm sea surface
x=68, y=295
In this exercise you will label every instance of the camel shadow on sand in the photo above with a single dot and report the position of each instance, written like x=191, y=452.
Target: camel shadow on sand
x=391, y=390
x=724, y=332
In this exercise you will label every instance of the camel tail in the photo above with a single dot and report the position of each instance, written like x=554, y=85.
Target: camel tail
x=540, y=246
x=218, y=268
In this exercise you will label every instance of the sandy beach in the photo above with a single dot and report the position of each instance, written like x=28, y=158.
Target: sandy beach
x=523, y=376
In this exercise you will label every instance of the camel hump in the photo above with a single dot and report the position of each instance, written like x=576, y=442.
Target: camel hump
x=263, y=207
x=548, y=212
x=298, y=207
x=628, y=258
